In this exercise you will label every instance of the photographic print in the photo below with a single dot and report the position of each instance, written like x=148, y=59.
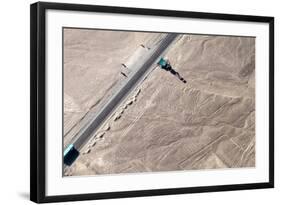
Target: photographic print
x=133, y=102
x=137, y=101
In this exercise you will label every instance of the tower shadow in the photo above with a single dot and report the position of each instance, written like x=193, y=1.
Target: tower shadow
x=170, y=69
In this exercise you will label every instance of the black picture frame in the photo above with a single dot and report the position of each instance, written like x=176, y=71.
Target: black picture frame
x=38, y=101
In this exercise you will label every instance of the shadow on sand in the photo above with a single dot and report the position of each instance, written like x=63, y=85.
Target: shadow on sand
x=169, y=68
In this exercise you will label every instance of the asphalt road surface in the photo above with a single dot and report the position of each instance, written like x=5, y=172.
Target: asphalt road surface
x=129, y=84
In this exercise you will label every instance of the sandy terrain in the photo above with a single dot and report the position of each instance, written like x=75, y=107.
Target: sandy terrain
x=92, y=65
x=165, y=125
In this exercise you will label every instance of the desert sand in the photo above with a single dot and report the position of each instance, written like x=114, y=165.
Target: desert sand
x=165, y=124
x=92, y=64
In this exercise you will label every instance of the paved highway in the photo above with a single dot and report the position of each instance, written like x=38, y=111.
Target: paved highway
x=133, y=79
